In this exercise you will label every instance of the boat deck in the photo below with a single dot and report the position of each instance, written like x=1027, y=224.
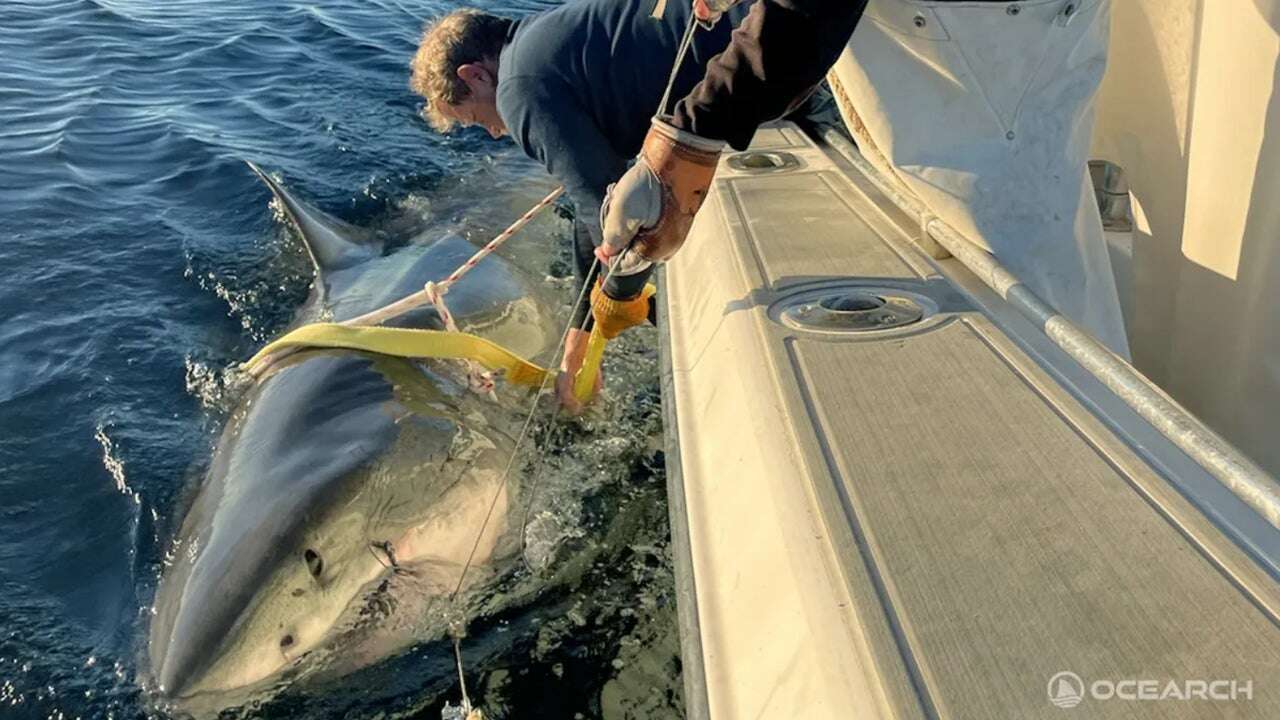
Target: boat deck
x=930, y=520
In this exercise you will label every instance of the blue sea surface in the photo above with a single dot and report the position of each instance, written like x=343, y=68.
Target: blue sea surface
x=140, y=259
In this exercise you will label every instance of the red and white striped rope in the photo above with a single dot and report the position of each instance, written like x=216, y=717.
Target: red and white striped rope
x=420, y=298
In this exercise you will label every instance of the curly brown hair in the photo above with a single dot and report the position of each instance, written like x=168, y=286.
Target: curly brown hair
x=457, y=39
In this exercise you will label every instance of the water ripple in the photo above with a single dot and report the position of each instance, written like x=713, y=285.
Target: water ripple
x=141, y=261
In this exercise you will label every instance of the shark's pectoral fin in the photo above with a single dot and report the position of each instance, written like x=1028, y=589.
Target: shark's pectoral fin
x=332, y=243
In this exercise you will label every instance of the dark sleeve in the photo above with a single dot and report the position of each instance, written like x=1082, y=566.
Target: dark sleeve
x=546, y=120
x=778, y=53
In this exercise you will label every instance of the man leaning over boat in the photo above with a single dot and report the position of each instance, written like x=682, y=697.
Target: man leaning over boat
x=1008, y=154
x=575, y=88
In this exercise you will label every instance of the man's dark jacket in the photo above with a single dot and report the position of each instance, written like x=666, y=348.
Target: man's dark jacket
x=578, y=85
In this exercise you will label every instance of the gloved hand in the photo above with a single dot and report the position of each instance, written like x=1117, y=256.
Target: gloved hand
x=612, y=316
x=709, y=11
x=654, y=202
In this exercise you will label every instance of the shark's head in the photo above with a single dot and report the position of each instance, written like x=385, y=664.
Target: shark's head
x=300, y=589
x=274, y=547
x=272, y=608
x=310, y=491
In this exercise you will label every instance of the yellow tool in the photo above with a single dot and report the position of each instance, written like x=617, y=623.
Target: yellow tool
x=584, y=383
x=611, y=318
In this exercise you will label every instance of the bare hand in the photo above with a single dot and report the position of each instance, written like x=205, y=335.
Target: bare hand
x=575, y=349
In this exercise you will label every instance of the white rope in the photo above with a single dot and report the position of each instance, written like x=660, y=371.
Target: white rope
x=423, y=297
x=462, y=678
x=478, y=379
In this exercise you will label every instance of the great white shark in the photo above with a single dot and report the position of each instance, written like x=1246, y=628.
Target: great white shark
x=347, y=489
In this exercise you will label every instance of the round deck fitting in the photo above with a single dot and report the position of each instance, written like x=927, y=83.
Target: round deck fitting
x=853, y=311
x=760, y=161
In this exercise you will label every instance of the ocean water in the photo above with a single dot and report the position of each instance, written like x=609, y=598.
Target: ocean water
x=141, y=261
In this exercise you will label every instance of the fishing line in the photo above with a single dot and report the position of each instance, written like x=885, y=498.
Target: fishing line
x=524, y=432
x=685, y=42
x=546, y=439
x=455, y=628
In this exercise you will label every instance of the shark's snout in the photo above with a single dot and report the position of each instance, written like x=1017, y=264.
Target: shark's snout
x=175, y=674
x=179, y=658
x=193, y=627
x=220, y=642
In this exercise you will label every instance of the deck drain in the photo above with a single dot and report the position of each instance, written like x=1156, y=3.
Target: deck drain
x=757, y=161
x=853, y=311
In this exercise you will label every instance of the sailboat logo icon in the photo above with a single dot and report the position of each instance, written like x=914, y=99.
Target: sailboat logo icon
x=1066, y=689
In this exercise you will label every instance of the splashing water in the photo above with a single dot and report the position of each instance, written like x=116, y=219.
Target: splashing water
x=113, y=464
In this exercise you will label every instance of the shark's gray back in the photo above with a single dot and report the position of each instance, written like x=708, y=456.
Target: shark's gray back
x=486, y=289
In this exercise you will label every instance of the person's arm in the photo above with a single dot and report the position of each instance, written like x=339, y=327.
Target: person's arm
x=775, y=57
x=778, y=53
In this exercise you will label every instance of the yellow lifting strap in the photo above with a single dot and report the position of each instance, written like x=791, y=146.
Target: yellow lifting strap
x=410, y=343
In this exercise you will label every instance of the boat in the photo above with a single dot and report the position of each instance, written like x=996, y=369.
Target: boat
x=894, y=495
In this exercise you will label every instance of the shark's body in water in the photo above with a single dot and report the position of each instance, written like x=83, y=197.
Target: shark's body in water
x=347, y=490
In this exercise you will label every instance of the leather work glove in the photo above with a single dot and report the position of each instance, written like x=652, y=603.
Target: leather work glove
x=652, y=205
x=708, y=12
x=613, y=316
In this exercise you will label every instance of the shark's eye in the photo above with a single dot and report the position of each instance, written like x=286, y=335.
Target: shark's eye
x=314, y=563
x=286, y=641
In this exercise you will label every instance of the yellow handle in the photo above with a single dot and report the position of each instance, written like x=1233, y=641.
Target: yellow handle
x=584, y=383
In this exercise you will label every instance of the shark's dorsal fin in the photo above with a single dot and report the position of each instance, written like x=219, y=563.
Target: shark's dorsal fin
x=332, y=243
